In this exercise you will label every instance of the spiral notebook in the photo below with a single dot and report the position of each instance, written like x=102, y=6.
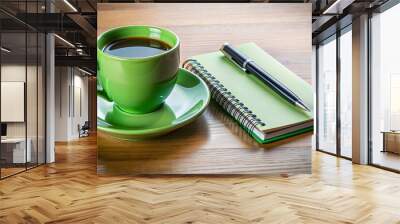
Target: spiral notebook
x=265, y=115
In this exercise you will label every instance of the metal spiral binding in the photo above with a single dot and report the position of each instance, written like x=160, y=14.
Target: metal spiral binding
x=224, y=98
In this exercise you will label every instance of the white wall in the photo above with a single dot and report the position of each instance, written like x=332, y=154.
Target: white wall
x=13, y=101
x=12, y=73
x=81, y=102
x=61, y=104
x=71, y=94
x=33, y=126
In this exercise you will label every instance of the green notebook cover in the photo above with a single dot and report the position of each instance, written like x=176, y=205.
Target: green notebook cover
x=265, y=103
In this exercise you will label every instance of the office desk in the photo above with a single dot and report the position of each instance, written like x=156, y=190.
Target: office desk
x=17, y=151
x=214, y=144
x=391, y=141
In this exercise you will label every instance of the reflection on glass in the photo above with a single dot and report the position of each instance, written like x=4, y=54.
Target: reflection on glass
x=385, y=114
x=14, y=153
x=32, y=86
x=41, y=98
x=345, y=94
x=22, y=90
x=327, y=96
x=31, y=97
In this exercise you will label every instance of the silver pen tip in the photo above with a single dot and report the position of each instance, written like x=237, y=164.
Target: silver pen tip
x=302, y=106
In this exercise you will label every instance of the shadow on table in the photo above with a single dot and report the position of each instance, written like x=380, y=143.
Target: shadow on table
x=159, y=154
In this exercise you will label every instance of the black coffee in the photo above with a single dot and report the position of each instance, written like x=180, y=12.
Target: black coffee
x=136, y=47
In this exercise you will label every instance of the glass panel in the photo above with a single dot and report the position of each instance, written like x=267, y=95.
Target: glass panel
x=14, y=153
x=32, y=98
x=32, y=87
x=41, y=89
x=385, y=114
x=41, y=98
x=345, y=94
x=327, y=96
x=23, y=82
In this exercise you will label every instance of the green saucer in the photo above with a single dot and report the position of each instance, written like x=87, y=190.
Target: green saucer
x=186, y=102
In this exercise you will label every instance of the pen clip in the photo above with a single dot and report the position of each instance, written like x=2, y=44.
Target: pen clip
x=233, y=60
x=248, y=60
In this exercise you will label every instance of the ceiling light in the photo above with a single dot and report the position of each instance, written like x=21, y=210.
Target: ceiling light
x=84, y=71
x=5, y=50
x=338, y=6
x=70, y=5
x=79, y=51
x=64, y=40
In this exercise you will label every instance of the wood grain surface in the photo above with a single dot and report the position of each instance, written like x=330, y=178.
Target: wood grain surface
x=214, y=144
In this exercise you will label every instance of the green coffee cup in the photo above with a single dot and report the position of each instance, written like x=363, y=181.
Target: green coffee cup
x=138, y=85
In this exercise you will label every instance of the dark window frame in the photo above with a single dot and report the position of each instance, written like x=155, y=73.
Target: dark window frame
x=44, y=80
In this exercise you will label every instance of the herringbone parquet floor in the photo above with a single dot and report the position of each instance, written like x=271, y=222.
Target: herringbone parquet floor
x=69, y=191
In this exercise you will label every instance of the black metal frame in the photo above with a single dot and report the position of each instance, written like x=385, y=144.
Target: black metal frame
x=44, y=70
x=369, y=91
x=26, y=89
x=338, y=98
x=316, y=96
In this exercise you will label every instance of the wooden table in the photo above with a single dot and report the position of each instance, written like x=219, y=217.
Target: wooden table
x=214, y=144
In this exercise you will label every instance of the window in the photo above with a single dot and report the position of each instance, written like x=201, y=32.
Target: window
x=23, y=89
x=346, y=92
x=327, y=96
x=15, y=147
x=334, y=106
x=385, y=89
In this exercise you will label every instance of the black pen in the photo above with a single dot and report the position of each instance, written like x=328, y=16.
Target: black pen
x=249, y=66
